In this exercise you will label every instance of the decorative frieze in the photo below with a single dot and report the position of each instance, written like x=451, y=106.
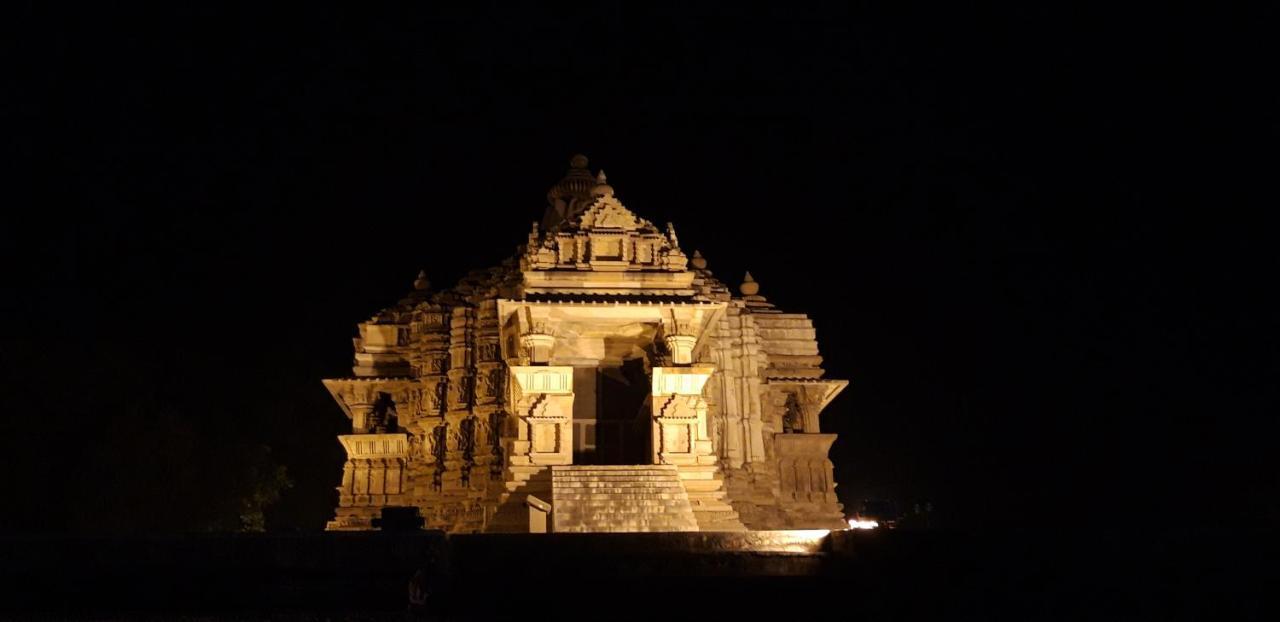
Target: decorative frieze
x=373, y=474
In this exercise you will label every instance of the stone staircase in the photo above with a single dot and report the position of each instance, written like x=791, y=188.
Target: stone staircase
x=754, y=497
x=708, y=498
x=620, y=499
x=510, y=513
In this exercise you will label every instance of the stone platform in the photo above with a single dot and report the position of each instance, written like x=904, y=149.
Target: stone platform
x=1030, y=574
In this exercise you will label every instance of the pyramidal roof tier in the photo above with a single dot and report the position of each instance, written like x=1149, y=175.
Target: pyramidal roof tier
x=592, y=244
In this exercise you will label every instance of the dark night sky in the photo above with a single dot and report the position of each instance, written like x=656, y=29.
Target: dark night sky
x=1024, y=234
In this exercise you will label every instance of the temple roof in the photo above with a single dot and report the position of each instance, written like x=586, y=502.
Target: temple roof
x=597, y=246
x=598, y=251
x=601, y=266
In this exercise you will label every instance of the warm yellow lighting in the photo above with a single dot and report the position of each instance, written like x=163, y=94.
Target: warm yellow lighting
x=860, y=523
x=809, y=534
x=806, y=541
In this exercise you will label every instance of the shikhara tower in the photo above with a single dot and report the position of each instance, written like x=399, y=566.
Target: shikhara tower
x=601, y=380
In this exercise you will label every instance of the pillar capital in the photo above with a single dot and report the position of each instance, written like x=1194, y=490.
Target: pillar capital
x=681, y=348
x=681, y=380
x=537, y=346
x=555, y=380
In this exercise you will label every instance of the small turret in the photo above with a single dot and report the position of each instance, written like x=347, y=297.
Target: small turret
x=749, y=286
x=602, y=188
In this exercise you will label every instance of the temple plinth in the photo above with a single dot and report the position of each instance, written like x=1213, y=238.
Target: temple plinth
x=597, y=381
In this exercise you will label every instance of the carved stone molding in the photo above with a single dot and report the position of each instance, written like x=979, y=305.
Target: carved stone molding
x=374, y=473
x=543, y=403
x=805, y=472
x=680, y=416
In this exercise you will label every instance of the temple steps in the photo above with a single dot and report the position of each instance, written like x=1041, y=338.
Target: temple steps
x=637, y=496
x=511, y=514
x=708, y=499
x=619, y=499
x=624, y=487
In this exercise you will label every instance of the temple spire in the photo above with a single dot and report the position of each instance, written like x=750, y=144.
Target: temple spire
x=571, y=194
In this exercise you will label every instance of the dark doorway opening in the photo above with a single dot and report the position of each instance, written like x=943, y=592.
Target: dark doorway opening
x=610, y=415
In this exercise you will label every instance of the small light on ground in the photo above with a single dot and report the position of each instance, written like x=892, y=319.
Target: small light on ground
x=860, y=523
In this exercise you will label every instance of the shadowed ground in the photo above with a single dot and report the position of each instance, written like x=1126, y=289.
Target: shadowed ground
x=781, y=575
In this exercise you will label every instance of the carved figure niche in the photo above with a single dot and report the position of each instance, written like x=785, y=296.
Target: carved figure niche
x=792, y=415
x=467, y=445
x=439, y=436
x=496, y=421
x=383, y=417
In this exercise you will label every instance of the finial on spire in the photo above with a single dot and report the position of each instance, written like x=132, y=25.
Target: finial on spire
x=671, y=234
x=749, y=286
x=699, y=262
x=571, y=194
x=602, y=188
x=421, y=283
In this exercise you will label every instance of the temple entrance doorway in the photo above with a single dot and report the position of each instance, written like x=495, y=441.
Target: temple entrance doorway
x=611, y=414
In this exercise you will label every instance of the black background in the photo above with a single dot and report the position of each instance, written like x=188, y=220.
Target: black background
x=1032, y=237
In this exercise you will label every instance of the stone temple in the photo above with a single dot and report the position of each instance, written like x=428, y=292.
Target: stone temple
x=599, y=380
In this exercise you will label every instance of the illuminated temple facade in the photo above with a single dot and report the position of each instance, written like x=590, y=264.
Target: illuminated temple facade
x=599, y=380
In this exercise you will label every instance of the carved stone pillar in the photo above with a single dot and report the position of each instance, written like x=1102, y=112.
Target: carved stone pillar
x=538, y=345
x=680, y=416
x=360, y=485
x=543, y=403
x=730, y=401
x=681, y=348
x=360, y=417
x=754, y=425
x=348, y=479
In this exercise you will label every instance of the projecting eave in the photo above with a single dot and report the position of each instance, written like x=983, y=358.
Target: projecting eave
x=362, y=390
x=631, y=321
x=822, y=390
x=603, y=281
x=609, y=297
